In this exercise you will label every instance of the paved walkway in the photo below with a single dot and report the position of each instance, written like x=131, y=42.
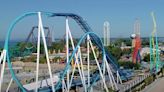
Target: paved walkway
x=157, y=86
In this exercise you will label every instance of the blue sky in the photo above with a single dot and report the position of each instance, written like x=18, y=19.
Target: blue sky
x=120, y=13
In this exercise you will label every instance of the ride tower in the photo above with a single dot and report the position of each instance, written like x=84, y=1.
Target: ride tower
x=106, y=33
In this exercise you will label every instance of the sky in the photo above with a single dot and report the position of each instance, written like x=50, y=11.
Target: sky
x=121, y=15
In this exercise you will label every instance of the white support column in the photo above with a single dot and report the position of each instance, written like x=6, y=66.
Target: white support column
x=101, y=74
x=80, y=72
x=88, y=61
x=82, y=69
x=7, y=90
x=64, y=88
x=38, y=54
x=76, y=63
x=110, y=78
x=46, y=52
x=3, y=57
x=104, y=37
x=67, y=50
x=73, y=72
x=104, y=67
x=119, y=78
x=68, y=35
x=76, y=56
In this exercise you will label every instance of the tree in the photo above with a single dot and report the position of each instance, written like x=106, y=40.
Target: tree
x=55, y=59
x=43, y=59
x=25, y=48
x=29, y=59
x=127, y=42
x=57, y=46
x=145, y=42
x=118, y=42
x=91, y=56
x=127, y=51
x=115, y=51
x=147, y=58
x=129, y=65
x=21, y=46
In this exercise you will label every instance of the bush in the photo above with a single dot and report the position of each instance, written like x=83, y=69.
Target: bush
x=115, y=51
x=57, y=46
x=148, y=80
x=29, y=59
x=129, y=65
x=43, y=59
x=110, y=90
x=147, y=58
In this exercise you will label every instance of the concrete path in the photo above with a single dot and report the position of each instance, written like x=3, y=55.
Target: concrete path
x=157, y=86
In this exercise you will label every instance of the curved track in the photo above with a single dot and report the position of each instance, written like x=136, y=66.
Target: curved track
x=85, y=28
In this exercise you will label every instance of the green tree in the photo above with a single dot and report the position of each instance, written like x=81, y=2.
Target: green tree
x=127, y=42
x=147, y=58
x=58, y=46
x=129, y=65
x=24, y=48
x=145, y=42
x=43, y=59
x=1, y=49
x=118, y=42
x=21, y=46
x=115, y=51
x=29, y=59
x=55, y=59
x=127, y=51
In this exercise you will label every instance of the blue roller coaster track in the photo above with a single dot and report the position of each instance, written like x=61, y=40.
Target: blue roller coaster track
x=85, y=27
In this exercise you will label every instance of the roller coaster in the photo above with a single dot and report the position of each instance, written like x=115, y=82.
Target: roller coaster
x=155, y=63
x=33, y=39
x=108, y=69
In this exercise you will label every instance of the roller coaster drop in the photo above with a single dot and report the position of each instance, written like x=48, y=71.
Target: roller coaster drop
x=108, y=66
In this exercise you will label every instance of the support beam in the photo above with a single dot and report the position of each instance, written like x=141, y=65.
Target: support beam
x=46, y=52
x=41, y=32
x=67, y=50
x=101, y=74
x=7, y=90
x=3, y=60
x=38, y=53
